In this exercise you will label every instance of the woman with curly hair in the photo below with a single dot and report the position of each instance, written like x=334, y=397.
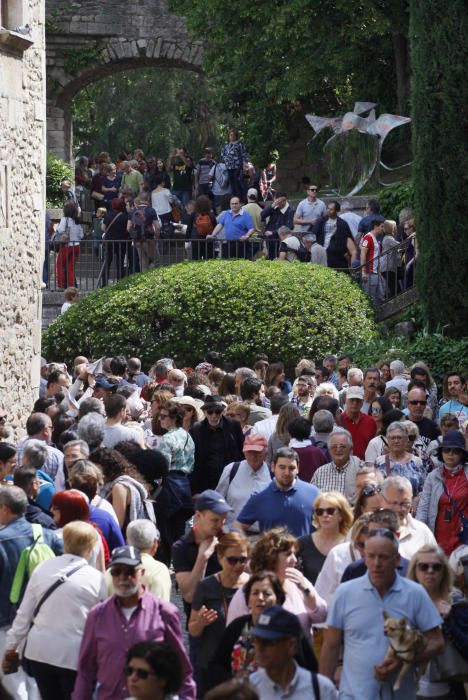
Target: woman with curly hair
x=123, y=486
x=275, y=551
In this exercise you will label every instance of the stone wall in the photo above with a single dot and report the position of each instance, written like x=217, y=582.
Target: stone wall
x=22, y=200
x=89, y=40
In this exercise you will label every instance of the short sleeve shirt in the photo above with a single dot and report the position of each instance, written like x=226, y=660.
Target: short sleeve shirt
x=357, y=609
x=236, y=226
x=310, y=210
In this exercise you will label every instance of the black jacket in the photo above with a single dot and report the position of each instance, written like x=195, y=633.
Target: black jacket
x=338, y=246
x=36, y=514
x=277, y=218
x=213, y=450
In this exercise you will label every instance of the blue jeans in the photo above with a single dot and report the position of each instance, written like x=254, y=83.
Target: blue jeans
x=183, y=196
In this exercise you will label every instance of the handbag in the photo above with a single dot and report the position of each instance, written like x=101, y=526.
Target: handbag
x=61, y=237
x=25, y=663
x=463, y=532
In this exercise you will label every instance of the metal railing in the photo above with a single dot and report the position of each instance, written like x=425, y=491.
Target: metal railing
x=96, y=263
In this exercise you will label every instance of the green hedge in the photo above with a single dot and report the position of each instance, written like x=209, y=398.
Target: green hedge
x=236, y=307
x=440, y=353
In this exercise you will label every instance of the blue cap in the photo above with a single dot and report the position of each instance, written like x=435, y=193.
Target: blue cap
x=275, y=622
x=453, y=439
x=126, y=555
x=103, y=383
x=212, y=500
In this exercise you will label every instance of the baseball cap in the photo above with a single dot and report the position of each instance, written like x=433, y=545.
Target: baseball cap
x=252, y=192
x=275, y=622
x=103, y=383
x=212, y=500
x=254, y=443
x=355, y=392
x=126, y=555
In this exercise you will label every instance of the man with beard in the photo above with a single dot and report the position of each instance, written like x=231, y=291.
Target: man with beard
x=131, y=615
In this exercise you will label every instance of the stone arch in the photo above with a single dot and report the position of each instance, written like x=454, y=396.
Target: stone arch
x=85, y=43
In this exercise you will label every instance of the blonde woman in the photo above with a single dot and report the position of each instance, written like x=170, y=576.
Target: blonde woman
x=390, y=258
x=332, y=519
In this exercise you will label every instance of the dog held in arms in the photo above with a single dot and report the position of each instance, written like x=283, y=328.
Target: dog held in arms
x=406, y=644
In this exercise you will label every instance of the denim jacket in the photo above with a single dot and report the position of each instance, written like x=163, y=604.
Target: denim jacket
x=15, y=537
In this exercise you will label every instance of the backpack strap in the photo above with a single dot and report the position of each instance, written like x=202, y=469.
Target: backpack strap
x=233, y=472
x=315, y=685
x=388, y=469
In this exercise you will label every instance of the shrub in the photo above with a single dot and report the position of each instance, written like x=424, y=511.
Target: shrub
x=441, y=354
x=396, y=197
x=57, y=170
x=236, y=307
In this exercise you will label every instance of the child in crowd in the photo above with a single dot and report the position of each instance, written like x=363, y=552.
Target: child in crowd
x=71, y=295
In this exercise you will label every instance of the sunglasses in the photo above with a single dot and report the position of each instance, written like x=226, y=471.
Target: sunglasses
x=139, y=672
x=417, y=403
x=312, y=189
x=422, y=566
x=323, y=511
x=236, y=560
x=116, y=571
x=452, y=450
x=370, y=490
x=211, y=411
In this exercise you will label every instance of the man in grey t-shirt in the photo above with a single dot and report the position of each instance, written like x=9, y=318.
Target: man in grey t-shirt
x=309, y=210
x=114, y=431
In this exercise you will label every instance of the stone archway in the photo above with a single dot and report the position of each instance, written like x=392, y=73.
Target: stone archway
x=86, y=41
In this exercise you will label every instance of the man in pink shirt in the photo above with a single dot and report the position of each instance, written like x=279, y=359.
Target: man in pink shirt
x=131, y=615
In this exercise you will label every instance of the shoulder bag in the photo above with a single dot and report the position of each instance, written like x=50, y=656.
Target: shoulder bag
x=25, y=663
x=61, y=237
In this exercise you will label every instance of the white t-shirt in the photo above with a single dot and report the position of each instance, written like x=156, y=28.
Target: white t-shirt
x=161, y=201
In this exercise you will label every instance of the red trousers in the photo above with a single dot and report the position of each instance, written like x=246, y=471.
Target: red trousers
x=65, y=265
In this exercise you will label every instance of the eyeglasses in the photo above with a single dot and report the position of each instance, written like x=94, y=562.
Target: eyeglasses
x=139, y=672
x=417, y=403
x=236, y=560
x=452, y=450
x=323, y=511
x=116, y=571
x=210, y=411
x=398, y=504
x=423, y=566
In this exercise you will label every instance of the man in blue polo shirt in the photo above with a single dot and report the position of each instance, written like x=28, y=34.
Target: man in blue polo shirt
x=238, y=227
x=287, y=501
x=356, y=620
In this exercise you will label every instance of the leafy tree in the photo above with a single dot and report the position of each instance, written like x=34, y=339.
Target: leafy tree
x=57, y=170
x=148, y=108
x=439, y=98
x=261, y=59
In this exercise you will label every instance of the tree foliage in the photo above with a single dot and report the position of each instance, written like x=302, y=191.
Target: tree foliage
x=439, y=98
x=147, y=108
x=236, y=307
x=263, y=58
x=57, y=170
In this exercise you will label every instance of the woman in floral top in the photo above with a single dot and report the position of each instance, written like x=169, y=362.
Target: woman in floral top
x=234, y=155
x=179, y=449
x=400, y=462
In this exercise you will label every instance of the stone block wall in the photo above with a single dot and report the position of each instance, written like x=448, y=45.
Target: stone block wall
x=22, y=202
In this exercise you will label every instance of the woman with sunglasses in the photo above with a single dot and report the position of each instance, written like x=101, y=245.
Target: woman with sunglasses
x=7, y=461
x=369, y=501
x=275, y=550
x=378, y=407
x=430, y=568
x=399, y=461
x=211, y=601
x=153, y=671
x=444, y=499
x=332, y=520
x=179, y=449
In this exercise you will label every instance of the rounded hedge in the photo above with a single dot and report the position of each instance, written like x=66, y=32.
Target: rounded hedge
x=237, y=307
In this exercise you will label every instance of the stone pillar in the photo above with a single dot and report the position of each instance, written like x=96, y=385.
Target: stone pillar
x=59, y=131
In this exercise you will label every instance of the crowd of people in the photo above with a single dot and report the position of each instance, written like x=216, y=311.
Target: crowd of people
x=225, y=207
x=292, y=518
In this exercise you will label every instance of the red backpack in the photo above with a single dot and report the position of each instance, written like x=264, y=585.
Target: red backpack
x=203, y=225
